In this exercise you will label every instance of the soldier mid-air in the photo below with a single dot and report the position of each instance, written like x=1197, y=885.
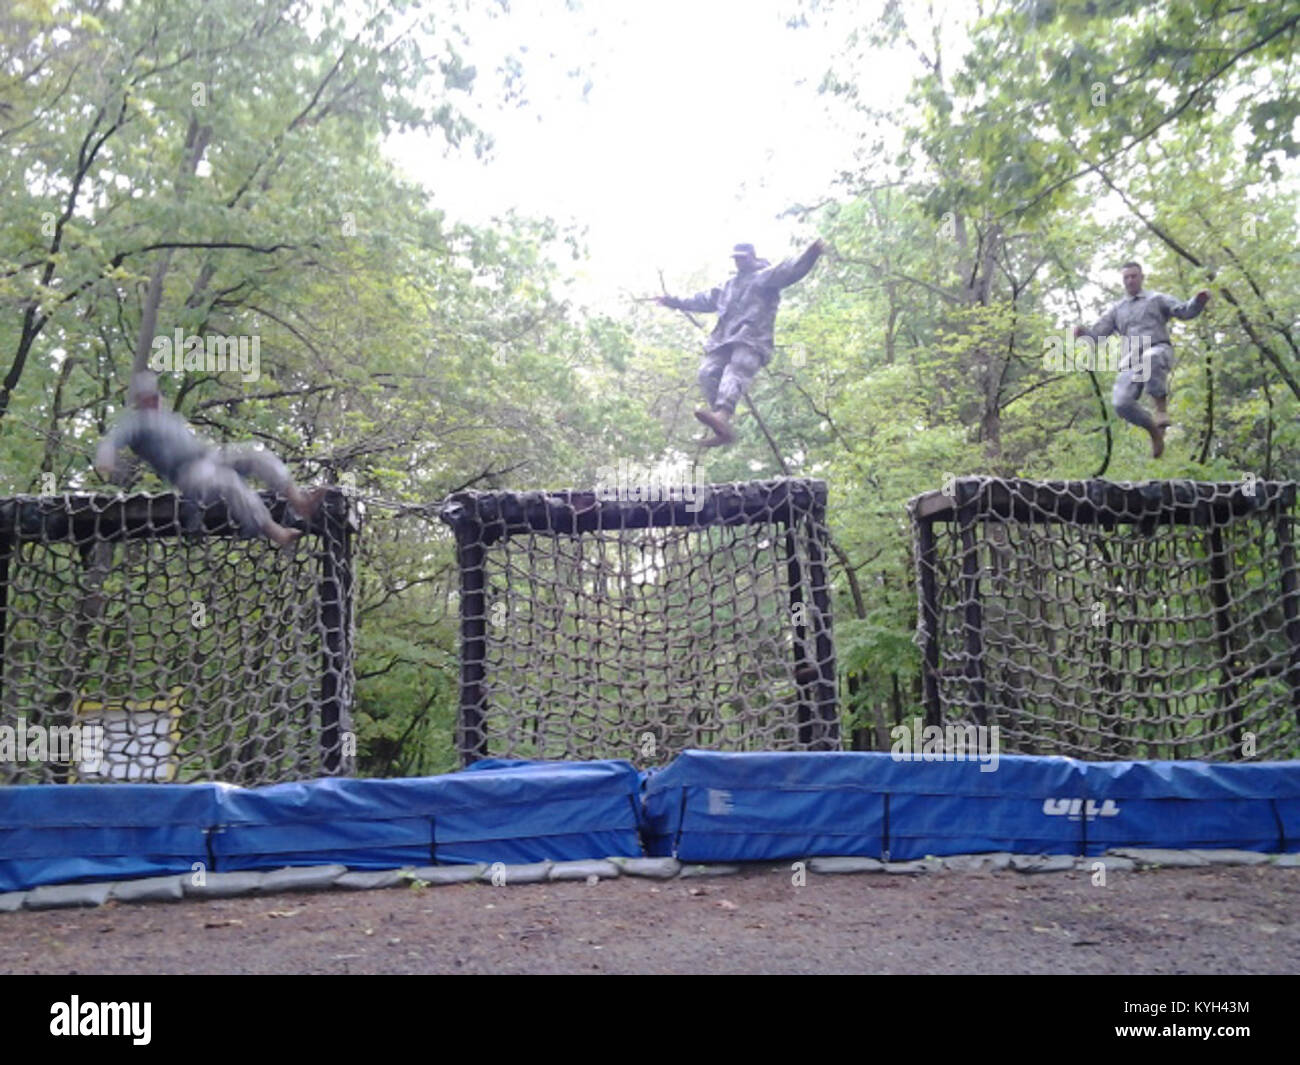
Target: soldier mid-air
x=741, y=342
x=1140, y=318
x=204, y=472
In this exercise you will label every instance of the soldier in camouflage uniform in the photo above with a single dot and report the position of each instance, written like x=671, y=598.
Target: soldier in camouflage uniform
x=204, y=472
x=741, y=342
x=1140, y=318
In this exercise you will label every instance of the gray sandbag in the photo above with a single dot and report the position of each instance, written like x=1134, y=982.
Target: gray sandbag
x=61, y=896
x=1114, y=863
x=445, y=874
x=655, y=868
x=710, y=869
x=993, y=862
x=1170, y=859
x=222, y=885
x=532, y=873
x=583, y=869
x=915, y=867
x=11, y=901
x=846, y=864
x=1228, y=856
x=371, y=879
x=1043, y=863
x=301, y=878
x=150, y=889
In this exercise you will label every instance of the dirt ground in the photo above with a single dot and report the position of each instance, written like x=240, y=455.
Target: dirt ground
x=1165, y=921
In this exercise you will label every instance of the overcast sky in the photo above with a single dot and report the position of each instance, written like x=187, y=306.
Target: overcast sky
x=699, y=124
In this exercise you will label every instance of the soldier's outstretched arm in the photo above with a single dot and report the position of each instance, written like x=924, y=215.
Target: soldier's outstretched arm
x=1103, y=328
x=1191, y=308
x=787, y=273
x=703, y=302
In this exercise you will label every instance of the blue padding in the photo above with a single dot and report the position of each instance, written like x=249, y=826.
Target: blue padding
x=511, y=813
x=546, y=810
x=51, y=834
x=714, y=806
x=705, y=806
x=1194, y=805
x=942, y=808
x=741, y=824
x=1288, y=813
x=514, y=812
x=711, y=806
x=363, y=824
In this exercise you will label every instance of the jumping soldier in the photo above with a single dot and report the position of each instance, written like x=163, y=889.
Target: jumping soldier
x=1148, y=356
x=741, y=342
x=204, y=472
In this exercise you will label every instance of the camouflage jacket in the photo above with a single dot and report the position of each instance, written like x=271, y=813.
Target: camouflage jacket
x=1144, y=315
x=746, y=304
x=160, y=437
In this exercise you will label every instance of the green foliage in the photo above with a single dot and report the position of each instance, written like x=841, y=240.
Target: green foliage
x=417, y=356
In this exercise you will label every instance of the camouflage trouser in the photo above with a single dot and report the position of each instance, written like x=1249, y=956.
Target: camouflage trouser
x=219, y=477
x=1149, y=370
x=725, y=375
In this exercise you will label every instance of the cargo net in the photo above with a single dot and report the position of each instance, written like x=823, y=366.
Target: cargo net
x=145, y=641
x=1113, y=621
x=600, y=628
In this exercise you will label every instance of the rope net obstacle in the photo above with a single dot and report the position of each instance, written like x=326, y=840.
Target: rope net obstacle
x=199, y=654
x=600, y=628
x=1113, y=621
x=1090, y=619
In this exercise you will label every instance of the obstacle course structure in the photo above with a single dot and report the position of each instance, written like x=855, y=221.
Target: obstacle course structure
x=202, y=655
x=1113, y=621
x=1153, y=620
x=596, y=628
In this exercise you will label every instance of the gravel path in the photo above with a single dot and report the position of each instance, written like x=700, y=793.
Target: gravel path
x=1165, y=921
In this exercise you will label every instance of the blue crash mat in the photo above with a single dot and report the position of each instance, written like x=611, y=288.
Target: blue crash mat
x=511, y=813
x=712, y=806
x=55, y=833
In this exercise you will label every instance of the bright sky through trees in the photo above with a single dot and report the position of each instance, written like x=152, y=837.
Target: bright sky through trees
x=700, y=123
